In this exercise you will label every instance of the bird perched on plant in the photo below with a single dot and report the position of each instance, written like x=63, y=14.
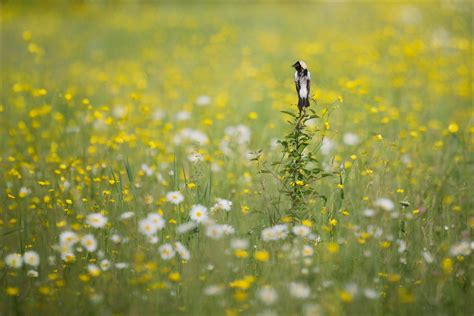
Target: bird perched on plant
x=302, y=82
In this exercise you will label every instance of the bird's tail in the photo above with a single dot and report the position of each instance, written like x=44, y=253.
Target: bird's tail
x=303, y=103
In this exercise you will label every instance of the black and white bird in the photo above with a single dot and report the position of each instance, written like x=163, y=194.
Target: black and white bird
x=302, y=82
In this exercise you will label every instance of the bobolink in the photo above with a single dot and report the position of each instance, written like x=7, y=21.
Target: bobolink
x=302, y=82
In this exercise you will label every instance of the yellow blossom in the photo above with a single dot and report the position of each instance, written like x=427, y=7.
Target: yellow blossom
x=242, y=284
x=262, y=255
x=44, y=290
x=240, y=253
x=332, y=247
x=393, y=278
x=453, y=128
x=405, y=296
x=174, y=276
x=345, y=296
x=253, y=115
x=447, y=265
x=12, y=291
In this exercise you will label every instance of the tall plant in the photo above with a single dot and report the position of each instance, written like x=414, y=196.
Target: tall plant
x=299, y=169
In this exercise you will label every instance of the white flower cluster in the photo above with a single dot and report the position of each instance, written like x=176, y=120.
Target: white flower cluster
x=222, y=204
x=190, y=135
x=168, y=252
x=276, y=232
x=16, y=260
x=151, y=224
x=238, y=135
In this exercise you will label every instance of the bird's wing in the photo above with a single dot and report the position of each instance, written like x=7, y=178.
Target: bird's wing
x=297, y=82
x=297, y=85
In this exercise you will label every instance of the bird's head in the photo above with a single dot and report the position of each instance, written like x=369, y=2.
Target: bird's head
x=300, y=65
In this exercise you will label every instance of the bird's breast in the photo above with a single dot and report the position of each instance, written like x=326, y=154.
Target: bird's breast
x=303, y=91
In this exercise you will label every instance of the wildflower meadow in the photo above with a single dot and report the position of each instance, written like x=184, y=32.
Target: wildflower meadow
x=154, y=162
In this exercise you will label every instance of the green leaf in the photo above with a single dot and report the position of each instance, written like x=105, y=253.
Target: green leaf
x=289, y=113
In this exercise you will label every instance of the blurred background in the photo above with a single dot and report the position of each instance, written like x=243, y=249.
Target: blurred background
x=174, y=96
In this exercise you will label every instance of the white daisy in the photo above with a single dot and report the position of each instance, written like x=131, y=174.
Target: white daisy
x=228, y=230
x=182, y=250
x=14, y=260
x=147, y=227
x=158, y=115
x=127, y=215
x=428, y=257
x=281, y=231
x=385, y=204
x=308, y=251
x=156, y=219
x=215, y=231
x=222, y=204
x=146, y=169
x=268, y=295
x=24, y=191
x=121, y=265
x=299, y=290
x=370, y=293
x=239, y=134
x=195, y=157
x=301, y=230
x=182, y=116
x=198, y=213
x=203, y=100
x=31, y=258
x=186, y=227
x=269, y=234
x=350, y=139
x=67, y=239
x=96, y=220
x=327, y=146
x=89, y=242
x=105, y=264
x=460, y=249
x=239, y=243
x=369, y=213
x=68, y=256
x=213, y=290
x=116, y=238
x=152, y=239
x=166, y=252
x=93, y=270
x=174, y=197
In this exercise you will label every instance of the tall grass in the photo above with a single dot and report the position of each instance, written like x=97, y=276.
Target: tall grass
x=108, y=109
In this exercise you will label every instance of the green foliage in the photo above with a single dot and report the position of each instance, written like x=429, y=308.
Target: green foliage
x=109, y=108
x=299, y=170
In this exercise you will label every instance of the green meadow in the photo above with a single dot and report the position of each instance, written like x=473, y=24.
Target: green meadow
x=152, y=161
